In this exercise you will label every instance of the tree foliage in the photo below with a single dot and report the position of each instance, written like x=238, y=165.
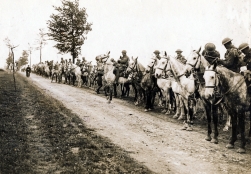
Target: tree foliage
x=9, y=59
x=69, y=27
x=23, y=60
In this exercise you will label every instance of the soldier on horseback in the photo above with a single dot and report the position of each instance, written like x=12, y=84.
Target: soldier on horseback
x=180, y=57
x=232, y=56
x=244, y=48
x=156, y=52
x=122, y=65
x=210, y=53
x=62, y=61
x=78, y=62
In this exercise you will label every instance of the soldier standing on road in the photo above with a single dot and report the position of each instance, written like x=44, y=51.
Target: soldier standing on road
x=28, y=71
x=180, y=57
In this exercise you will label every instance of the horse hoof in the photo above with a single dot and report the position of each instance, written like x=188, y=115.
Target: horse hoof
x=189, y=128
x=146, y=110
x=163, y=111
x=184, y=127
x=208, y=138
x=108, y=101
x=168, y=112
x=225, y=129
x=241, y=150
x=214, y=140
x=229, y=146
x=175, y=116
x=181, y=117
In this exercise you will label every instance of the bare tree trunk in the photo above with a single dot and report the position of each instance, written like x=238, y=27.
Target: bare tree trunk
x=40, y=54
x=13, y=69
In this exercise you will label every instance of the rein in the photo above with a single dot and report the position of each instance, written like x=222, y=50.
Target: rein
x=230, y=89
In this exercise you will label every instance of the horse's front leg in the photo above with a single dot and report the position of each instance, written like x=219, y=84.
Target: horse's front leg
x=115, y=90
x=241, y=123
x=208, y=113
x=215, y=120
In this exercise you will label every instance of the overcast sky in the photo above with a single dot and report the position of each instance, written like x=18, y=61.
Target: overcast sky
x=138, y=26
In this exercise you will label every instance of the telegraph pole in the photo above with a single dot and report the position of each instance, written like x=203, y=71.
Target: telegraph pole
x=30, y=49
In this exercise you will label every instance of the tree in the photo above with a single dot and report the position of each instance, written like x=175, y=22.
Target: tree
x=23, y=60
x=9, y=59
x=41, y=41
x=69, y=27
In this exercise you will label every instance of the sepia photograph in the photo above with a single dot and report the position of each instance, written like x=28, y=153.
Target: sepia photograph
x=125, y=87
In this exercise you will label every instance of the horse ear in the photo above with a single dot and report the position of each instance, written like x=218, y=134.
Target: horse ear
x=165, y=53
x=108, y=53
x=136, y=58
x=132, y=58
x=214, y=66
x=198, y=51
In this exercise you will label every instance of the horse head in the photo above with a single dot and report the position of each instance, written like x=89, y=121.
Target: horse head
x=211, y=82
x=132, y=66
x=160, y=68
x=193, y=60
x=151, y=64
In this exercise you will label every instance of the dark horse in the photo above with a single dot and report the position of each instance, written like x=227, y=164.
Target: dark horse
x=136, y=72
x=222, y=87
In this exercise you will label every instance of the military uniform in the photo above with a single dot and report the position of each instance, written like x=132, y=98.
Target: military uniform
x=181, y=59
x=28, y=70
x=78, y=62
x=231, y=61
x=156, y=52
x=247, y=59
x=62, y=61
x=123, y=63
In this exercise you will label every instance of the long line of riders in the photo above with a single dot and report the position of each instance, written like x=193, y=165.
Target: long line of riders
x=179, y=83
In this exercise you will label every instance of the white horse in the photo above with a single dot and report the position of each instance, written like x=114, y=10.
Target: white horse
x=76, y=73
x=187, y=91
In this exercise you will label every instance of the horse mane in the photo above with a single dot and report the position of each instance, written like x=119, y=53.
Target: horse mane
x=140, y=66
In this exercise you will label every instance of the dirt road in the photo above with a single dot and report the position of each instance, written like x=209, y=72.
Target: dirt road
x=150, y=138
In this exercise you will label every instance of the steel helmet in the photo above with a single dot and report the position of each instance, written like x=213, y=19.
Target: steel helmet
x=124, y=51
x=243, y=46
x=226, y=40
x=210, y=47
x=178, y=50
x=156, y=52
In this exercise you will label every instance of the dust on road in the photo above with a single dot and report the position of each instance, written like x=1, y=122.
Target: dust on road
x=152, y=139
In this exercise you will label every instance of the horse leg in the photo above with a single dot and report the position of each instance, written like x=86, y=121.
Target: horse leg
x=215, y=120
x=182, y=108
x=110, y=92
x=233, y=138
x=241, y=123
x=127, y=89
x=135, y=93
x=208, y=113
x=178, y=109
x=148, y=100
x=115, y=90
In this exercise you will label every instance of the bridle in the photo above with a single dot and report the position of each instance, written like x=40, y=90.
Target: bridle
x=164, y=69
x=197, y=61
